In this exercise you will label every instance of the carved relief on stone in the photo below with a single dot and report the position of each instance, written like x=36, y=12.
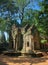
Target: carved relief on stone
x=23, y=40
x=14, y=31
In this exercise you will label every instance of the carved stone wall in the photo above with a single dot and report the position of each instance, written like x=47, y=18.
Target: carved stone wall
x=30, y=37
x=25, y=39
x=28, y=45
x=14, y=33
x=19, y=41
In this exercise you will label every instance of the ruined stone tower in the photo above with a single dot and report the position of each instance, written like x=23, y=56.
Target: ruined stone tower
x=25, y=39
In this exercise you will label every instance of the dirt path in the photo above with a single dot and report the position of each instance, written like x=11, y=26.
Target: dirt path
x=6, y=60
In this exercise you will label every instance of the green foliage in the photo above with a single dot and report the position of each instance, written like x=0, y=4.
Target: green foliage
x=21, y=3
x=43, y=41
x=2, y=24
x=27, y=16
x=44, y=17
x=2, y=38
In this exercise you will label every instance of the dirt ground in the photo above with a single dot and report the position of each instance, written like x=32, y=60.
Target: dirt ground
x=6, y=60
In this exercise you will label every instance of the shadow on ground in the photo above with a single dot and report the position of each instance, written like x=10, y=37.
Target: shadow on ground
x=9, y=59
x=3, y=63
x=12, y=54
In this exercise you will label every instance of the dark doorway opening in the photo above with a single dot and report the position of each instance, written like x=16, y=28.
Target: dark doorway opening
x=27, y=44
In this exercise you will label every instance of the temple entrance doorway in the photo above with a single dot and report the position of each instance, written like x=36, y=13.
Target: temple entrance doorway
x=19, y=42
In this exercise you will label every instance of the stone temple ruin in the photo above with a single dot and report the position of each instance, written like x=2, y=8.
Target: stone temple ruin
x=25, y=39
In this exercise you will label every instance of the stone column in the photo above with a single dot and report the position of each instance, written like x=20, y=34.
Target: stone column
x=14, y=44
x=32, y=42
x=16, y=47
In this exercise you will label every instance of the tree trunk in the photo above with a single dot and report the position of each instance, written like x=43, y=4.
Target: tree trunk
x=22, y=13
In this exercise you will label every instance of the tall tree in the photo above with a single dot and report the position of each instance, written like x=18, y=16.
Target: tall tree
x=22, y=4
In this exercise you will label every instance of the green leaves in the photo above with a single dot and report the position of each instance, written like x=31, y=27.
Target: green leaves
x=43, y=41
x=2, y=24
x=39, y=18
x=2, y=37
x=21, y=4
